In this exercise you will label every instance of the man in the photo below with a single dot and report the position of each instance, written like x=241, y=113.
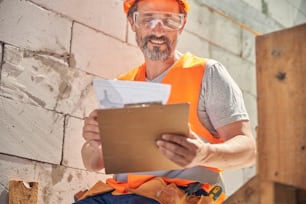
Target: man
x=220, y=135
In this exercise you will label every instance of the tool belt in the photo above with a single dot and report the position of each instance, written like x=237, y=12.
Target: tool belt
x=161, y=190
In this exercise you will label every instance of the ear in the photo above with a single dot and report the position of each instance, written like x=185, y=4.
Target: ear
x=130, y=19
x=185, y=21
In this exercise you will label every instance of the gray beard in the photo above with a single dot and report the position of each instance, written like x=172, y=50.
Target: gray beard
x=156, y=54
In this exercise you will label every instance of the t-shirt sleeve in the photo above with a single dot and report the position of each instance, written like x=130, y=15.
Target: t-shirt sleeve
x=223, y=100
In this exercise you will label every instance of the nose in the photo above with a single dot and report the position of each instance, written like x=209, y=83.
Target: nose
x=157, y=25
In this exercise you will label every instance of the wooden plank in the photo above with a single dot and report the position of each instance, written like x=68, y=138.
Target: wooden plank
x=284, y=194
x=266, y=191
x=19, y=193
x=281, y=87
x=248, y=193
x=257, y=191
x=301, y=196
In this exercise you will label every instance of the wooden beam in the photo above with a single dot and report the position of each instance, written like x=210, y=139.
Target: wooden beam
x=281, y=90
x=257, y=191
x=25, y=193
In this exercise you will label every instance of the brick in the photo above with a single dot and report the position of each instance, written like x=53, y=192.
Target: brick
x=131, y=38
x=232, y=180
x=23, y=192
x=242, y=71
x=213, y=27
x=73, y=143
x=45, y=82
x=255, y=3
x=248, y=46
x=189, y=42
x=251, y=106
x=30, y=132
x=292, y=16
x=103, y=15
x=1, y=47
x=57, y=184
x=102, y=55
x=256, y=20
x=51, y=33
x=3, y=194
x=300, y=5
x=249, y=173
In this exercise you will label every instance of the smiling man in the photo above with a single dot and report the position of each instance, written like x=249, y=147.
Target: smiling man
x=219, y=139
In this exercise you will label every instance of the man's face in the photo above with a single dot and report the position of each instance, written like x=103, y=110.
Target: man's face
x=157, y=26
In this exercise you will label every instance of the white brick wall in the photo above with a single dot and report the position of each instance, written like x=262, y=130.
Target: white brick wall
x=53, y=49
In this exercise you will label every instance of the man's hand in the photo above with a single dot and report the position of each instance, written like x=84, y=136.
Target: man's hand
x=237, y=151
x=91, y=128
x=186, y=151
x=92, y=148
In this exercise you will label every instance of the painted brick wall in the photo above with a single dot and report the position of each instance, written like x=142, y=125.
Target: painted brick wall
x=51, y=50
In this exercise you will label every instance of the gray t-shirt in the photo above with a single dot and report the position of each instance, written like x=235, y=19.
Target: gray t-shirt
x=221, y=103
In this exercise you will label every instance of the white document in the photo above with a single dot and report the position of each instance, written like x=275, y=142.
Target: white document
x=117, y=93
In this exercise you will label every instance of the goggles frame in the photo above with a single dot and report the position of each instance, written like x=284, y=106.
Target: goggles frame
x=169, y=21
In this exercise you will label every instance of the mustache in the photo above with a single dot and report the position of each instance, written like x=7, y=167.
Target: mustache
x=154, y=37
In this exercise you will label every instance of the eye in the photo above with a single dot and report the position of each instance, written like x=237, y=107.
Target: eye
x=172, y=24
x=147, y=19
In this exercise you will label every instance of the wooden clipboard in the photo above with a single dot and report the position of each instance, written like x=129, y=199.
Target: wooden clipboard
x=129, y=135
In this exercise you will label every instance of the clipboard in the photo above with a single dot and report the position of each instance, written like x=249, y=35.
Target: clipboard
x=128, y=136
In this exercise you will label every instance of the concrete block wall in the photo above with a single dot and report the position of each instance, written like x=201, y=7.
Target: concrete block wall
x=51, y=50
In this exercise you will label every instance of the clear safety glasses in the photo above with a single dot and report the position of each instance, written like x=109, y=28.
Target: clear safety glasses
x=169, y=21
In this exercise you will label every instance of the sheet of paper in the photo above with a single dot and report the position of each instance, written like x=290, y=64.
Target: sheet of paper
x=117, y=93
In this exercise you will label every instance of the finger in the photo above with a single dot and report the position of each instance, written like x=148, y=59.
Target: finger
x=91, y=128
x=91, y=136
x=91, y=132
x=176, y=149
x=180, y=140
x=90, y=120
x=94, y=114
x=191, y=135
x=178, y=159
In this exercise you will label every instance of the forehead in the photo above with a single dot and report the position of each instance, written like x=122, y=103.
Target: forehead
x=158, y=5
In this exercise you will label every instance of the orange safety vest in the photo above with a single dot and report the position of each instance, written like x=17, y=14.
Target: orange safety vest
x=185, y=79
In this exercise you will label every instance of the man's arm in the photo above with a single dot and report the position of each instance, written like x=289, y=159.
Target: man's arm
x=238, y=150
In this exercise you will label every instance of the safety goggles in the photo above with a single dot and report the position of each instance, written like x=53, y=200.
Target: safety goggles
x=169, y=21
